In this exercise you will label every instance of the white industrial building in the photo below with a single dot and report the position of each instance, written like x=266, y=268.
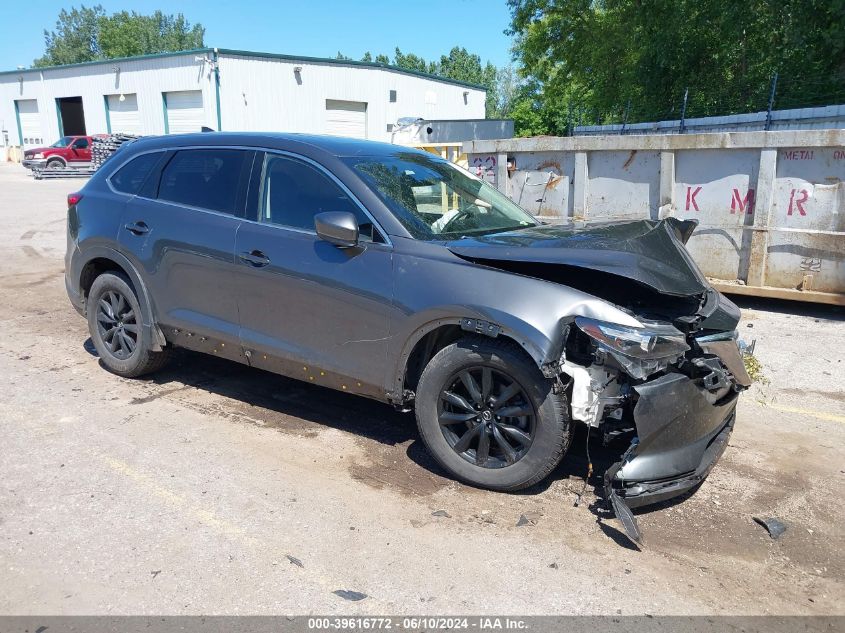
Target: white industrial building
x=223, y=89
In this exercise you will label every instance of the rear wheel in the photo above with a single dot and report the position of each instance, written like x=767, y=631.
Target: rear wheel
x=489, y=416
x=114, y=322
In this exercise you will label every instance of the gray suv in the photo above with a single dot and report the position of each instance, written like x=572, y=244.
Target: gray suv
x=389, y=273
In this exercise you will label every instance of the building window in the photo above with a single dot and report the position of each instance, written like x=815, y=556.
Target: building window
x=389, y=127
x=392, y=96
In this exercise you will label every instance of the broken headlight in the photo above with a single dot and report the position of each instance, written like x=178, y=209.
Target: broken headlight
x=639, y=351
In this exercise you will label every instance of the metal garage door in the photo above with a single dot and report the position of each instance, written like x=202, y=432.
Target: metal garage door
x=184, y=111
x=346, y=118
x=30, y=122
x=123, y=115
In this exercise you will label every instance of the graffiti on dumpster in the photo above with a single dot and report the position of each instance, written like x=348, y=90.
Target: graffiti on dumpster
x=745, y=204
x=691, y=198
x=483, y=163
x=741, y=204
x=799, y=201
x=811, y=264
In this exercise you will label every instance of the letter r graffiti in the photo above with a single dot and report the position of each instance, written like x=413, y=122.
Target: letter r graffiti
x=804, y=195
x=691, y=197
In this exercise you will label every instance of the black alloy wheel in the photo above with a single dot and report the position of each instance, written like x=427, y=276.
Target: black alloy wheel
x=487, y=417
x=117, y=324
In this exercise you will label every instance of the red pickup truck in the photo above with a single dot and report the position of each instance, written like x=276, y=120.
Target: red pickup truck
x=68, y=151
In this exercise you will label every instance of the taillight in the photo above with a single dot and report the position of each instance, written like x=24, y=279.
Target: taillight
x=73, y=199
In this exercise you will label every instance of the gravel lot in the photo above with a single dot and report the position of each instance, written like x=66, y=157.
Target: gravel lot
x=214, y=488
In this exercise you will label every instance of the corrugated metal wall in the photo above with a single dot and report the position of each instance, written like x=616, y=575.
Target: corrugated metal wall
x=256, y=93
x=260, y=93
x=771, y=205
x=147, y=78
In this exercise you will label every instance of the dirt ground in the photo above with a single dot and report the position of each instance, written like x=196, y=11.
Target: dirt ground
x=214, y=488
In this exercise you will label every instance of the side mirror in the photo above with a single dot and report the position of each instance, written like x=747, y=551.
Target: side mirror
x=337, y=227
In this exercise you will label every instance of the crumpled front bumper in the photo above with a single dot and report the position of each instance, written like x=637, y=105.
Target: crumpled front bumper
x=681, y=434
x=682, y=431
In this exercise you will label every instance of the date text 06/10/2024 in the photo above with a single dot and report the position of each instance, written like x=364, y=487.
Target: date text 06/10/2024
x=432, y=623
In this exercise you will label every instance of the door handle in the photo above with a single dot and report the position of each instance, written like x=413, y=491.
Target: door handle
x=255, y=258
x=137, y=228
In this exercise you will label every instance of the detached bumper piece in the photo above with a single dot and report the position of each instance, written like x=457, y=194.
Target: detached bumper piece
x=681, y=434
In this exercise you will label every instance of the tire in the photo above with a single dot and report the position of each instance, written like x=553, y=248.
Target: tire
x=548, y=426
x=114, y=323
x=55, y=163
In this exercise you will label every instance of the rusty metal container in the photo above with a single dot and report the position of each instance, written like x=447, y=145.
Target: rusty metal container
x=770, y=205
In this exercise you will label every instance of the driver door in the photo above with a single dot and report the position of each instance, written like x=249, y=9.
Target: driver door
x=307, y=308
x=80, y=151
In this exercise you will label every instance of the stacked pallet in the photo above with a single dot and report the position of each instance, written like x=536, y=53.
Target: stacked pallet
x=104, y=146
x=62, y=172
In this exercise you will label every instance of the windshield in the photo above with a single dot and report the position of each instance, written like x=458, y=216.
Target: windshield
x=63, y=142
x=435, y=200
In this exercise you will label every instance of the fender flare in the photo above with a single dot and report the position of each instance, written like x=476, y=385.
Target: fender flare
x=61, y=159
x=528, y=343
x=148, y=321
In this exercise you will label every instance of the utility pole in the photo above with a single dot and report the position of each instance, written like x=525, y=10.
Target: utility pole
x=684, y=111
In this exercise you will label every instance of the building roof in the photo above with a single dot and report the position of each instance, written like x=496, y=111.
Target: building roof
x=241, y=53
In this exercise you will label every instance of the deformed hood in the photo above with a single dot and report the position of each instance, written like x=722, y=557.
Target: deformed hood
x=650, y=252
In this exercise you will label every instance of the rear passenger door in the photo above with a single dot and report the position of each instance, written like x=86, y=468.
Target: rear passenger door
x=180, y=231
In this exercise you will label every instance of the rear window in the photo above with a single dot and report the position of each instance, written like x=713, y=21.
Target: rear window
x=130, y=177
x=205, y=178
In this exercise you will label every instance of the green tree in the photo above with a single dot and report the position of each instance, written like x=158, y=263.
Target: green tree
x=594, y=57
x=126, y=34
x=507, y=89
x=76, y=38
x=410, y=62
x=89, y=34
x=368, y=57
x=464, y=66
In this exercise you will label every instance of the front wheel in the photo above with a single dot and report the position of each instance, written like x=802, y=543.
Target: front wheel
x=489, y=416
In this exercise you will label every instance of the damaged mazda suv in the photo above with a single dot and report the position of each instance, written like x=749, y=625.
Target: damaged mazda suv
x=390, y=273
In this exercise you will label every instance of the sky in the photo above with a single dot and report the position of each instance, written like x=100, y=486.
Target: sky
x=318, y=28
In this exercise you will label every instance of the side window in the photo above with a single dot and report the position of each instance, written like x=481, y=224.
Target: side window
x=205, y=178
x=80, y=143
x=130, y=177
x=293, y=192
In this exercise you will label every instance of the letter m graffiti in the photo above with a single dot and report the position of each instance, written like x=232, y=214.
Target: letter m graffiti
x=742, y=204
